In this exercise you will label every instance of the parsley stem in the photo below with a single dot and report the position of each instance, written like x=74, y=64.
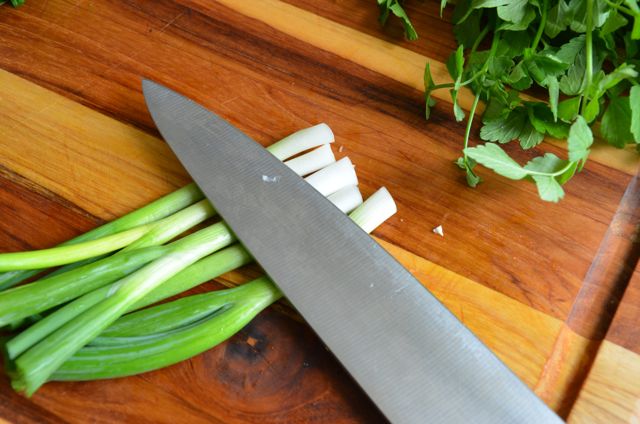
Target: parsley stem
x=467, y=132
x=621, y=8
x=443, y=85
x=481, y=36
x=483, y=70
x=551, y=174
x=589, y=50
x=543, y=23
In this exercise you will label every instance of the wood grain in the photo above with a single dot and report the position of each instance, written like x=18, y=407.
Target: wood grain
x=77, y=147
x=435, y=41
x=612, y=391
x=120, y=148
x=492, y=245
x=385, y=57
x=566, y=369
x=274, y=371
x=611, y=270
x=493, y=316
x=609, y=278
x=624, y=329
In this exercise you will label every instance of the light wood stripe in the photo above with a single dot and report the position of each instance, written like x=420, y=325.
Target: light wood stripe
x=498, y=320
x=120, y=168
x=611, y=393
x=108, y=168
x=386, y=58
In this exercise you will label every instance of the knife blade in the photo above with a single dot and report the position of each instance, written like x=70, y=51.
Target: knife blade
x=413, y=358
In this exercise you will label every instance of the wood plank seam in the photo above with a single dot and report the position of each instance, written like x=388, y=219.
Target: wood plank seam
x=595, y=305
x=43, y=191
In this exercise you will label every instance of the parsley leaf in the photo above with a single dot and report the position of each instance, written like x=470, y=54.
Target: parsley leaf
x=469, y=32
x=429, y=86
x=573, y=82
x=552, y=172
x=493, y=157
x=529, y=137
x=549, y=188
x=515, y=125
x=558, y=19
x=560, y=169
x=616, y=122
x=583, y=53
x=503, y=130
x=513, y=11
x=518, y=78
x=579, y=141
x=568, y=109
x=568, y=52
x=554, y=93
x=614, y=22
x=472, y=178
x=541, y=118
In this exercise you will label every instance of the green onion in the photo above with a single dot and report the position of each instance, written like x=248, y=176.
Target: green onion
x=175, y=331
x=205, y=269
x=302, y=140
x=53, y=290
x=24, y=301
x=145, y=354
x=377, y=209
x=288, y=147
x=37, y=363
x=172, y=315
x=66, y=254
x=154, y=211
x=334, y=177
x=347, y=198
x=90, y=338
x=313, y=161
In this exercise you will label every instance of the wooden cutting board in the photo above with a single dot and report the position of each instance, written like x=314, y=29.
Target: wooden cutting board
x=551, y=289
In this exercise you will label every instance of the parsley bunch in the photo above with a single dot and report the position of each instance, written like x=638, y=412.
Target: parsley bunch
x=583, y=54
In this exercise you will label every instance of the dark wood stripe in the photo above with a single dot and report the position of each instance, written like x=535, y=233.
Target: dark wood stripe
x=17, y=409
x=611, y=270
x=34, y=218
x=625, y=328
x=436, y=39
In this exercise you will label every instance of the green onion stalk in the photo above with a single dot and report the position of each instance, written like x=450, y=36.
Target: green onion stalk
x=18, y=267
x=217, y=264
x=172, y=332
x=157, y=226
x=80, y=321
x=89, y=301
x=228, y=259
x=338, y=181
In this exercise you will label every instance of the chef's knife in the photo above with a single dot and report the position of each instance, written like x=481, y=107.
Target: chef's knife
x=413, y=358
